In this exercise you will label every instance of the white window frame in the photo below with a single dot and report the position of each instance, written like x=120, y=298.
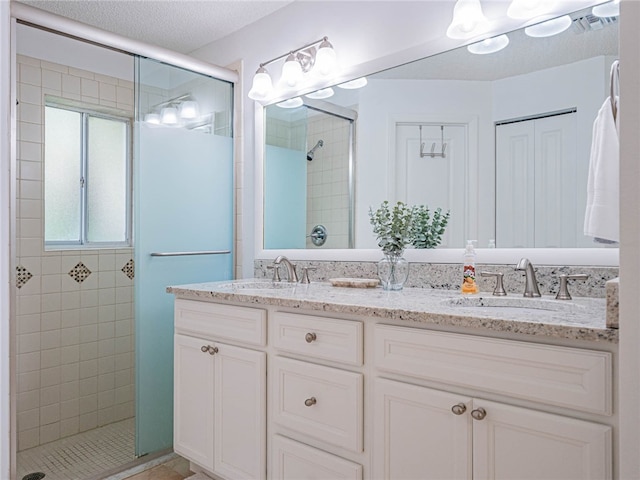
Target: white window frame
x=83, y=242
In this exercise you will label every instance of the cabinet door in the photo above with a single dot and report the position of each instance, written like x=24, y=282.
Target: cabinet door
x=240, y=413
x=417, y=435
x=517, y=443
x=193, y=401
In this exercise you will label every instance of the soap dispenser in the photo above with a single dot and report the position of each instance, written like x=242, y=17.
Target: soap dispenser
x=469, y=285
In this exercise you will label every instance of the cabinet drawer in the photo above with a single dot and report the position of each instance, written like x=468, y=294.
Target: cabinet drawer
x=213, y=320
x=318, y=337
x=292, y=460
x=318, y=401
x=567, y=377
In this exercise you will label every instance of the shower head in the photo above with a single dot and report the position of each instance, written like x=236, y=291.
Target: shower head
x=312, y=152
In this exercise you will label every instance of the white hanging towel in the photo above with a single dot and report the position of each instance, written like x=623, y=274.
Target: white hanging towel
x=601, y=219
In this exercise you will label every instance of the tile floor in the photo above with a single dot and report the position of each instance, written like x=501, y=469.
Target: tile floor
x=84, y=455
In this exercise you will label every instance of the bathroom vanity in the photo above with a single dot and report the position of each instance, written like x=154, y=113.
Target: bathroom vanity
x=289, y=381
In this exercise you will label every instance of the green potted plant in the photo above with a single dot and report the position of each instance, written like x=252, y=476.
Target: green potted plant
x=393, y=227
x=427, y=228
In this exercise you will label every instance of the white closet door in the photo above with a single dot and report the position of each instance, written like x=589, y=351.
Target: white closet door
x=536, y=188
x=435, y=182
x=555, y=182
x=515, y=161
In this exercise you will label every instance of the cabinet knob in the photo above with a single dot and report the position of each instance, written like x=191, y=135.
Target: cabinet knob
x=310, y=337
x=208, y=348
x=478, y=413
x=459, y=409
x=204, y=348
x=310, y=401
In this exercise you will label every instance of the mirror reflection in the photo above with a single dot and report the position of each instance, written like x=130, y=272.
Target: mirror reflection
x=501, y=140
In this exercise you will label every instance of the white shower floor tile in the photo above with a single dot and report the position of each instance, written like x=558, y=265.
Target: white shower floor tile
x=83, y=455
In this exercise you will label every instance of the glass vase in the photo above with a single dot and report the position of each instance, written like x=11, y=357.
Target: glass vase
x=393, y=271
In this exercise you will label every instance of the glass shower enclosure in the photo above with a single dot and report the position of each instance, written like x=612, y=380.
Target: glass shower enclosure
x=183, y=197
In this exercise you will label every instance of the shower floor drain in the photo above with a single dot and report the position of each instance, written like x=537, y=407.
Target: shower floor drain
x=34, y=476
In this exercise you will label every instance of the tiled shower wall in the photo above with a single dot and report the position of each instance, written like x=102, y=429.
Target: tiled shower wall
x=328, y=179
x=327, y=173
x=74, y=314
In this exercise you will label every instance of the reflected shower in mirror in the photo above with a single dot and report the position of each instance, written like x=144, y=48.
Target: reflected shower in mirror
x=517, y=124
x=308, y=176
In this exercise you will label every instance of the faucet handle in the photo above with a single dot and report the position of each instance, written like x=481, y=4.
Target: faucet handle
x=563, y=291
x=305, y=274
x=498, y=291
x=276, y=272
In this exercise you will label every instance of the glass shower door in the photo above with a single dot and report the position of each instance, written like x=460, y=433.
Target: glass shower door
x=183, y=197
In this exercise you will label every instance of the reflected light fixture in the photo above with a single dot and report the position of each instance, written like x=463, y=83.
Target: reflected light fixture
x=169, y=116
x=489, y=45
x=468, y=20
x=189, y=110
x=319, y=94
x=549, y=28
x=291, y=103
x=609, y=9
x=528, y=9
x=353, y=84
x=320, y=61
x=152, y=118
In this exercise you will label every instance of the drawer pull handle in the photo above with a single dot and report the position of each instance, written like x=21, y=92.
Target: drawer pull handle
x=209, y=349
x=310, y=401
x=310, y=337
x=459, y=409
x=479, y=413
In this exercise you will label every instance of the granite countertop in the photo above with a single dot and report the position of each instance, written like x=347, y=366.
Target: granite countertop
x=577, y=319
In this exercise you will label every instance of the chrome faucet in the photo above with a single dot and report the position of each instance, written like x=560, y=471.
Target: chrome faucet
x=531, y=284
x=291, y=268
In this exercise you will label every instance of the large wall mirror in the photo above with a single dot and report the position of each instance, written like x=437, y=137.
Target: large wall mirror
x=500, y=140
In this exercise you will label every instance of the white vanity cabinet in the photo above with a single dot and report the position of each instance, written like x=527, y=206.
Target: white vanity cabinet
x=220, y=389
x=425, y=433
x=314, y=402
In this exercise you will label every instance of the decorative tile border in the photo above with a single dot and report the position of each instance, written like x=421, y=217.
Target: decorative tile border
x=129, y=269
x=80, y=272
x=22, y=276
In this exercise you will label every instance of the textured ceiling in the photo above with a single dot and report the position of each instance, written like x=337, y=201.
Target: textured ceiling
x=179, y=25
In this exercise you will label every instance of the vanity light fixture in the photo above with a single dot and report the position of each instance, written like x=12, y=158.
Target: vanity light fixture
x=489, y=45
x=609, y=9
x=319, y=94
x=528, y=9
x=291, y=103
x=468, y=20
x=353, y=84
x=321, y=61
x=549, y=28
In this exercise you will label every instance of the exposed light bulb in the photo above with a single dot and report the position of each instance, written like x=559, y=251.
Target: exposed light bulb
x=468, y=20
x=326, y=60
x=291, y=71
x=262, y=86
x=549, y=28
x=489, y=45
